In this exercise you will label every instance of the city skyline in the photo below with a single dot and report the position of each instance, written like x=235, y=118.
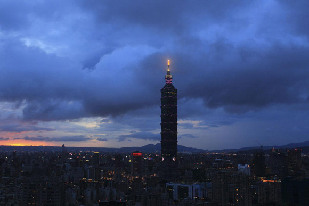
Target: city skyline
x=89, y=73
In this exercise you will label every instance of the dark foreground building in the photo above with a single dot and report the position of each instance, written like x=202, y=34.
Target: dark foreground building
x=169, y=127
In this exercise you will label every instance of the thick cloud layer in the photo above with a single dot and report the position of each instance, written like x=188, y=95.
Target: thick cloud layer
x=58, y=139
x=75, y=59
x=140, y=135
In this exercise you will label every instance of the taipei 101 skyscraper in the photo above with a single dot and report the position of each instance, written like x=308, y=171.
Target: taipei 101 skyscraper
x=169, y=126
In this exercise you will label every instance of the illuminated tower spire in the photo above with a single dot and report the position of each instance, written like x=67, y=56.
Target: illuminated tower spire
x=168, y=65
x=168, y=76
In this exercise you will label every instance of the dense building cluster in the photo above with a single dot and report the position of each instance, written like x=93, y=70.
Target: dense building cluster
x=276, y=177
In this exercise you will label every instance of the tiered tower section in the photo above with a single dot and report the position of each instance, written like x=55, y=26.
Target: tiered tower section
x=169, y=124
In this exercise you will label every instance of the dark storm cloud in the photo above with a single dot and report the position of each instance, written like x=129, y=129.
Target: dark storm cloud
x=102, y=139
x=145, y=119
x=19, y=128
x=54, y=89
x=297, y=14
x=9, y=19
x=78, y=138
x=162, y=15
x=211, y=59
x=18, y=15
x=279, y=76
x=13, y=125
x=140, y=135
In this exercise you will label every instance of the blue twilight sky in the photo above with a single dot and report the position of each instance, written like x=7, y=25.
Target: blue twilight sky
x=89, y=73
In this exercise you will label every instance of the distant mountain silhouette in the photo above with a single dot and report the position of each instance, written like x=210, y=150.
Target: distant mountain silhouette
x=304, y=145
x=291, y=145
x=153, y=148
x=150, y=148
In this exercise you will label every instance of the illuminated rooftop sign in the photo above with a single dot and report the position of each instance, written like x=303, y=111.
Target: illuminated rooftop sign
x=137, y=154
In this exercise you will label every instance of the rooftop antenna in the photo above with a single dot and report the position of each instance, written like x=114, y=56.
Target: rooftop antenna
x=168, y=76
x=168, y=65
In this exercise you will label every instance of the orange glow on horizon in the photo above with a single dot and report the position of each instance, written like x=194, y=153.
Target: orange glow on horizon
x=25, y=143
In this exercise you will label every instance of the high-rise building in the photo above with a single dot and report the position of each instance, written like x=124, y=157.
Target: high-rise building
x=137, y=165
x=258, y=164
x=169, y=126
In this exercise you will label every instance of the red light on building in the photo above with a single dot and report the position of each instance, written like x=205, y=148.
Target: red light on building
x=137, y=154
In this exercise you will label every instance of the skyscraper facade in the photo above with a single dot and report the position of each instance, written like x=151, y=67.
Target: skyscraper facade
x=169, y=125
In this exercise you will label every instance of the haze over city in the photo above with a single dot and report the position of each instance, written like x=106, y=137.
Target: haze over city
x=89, y=73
